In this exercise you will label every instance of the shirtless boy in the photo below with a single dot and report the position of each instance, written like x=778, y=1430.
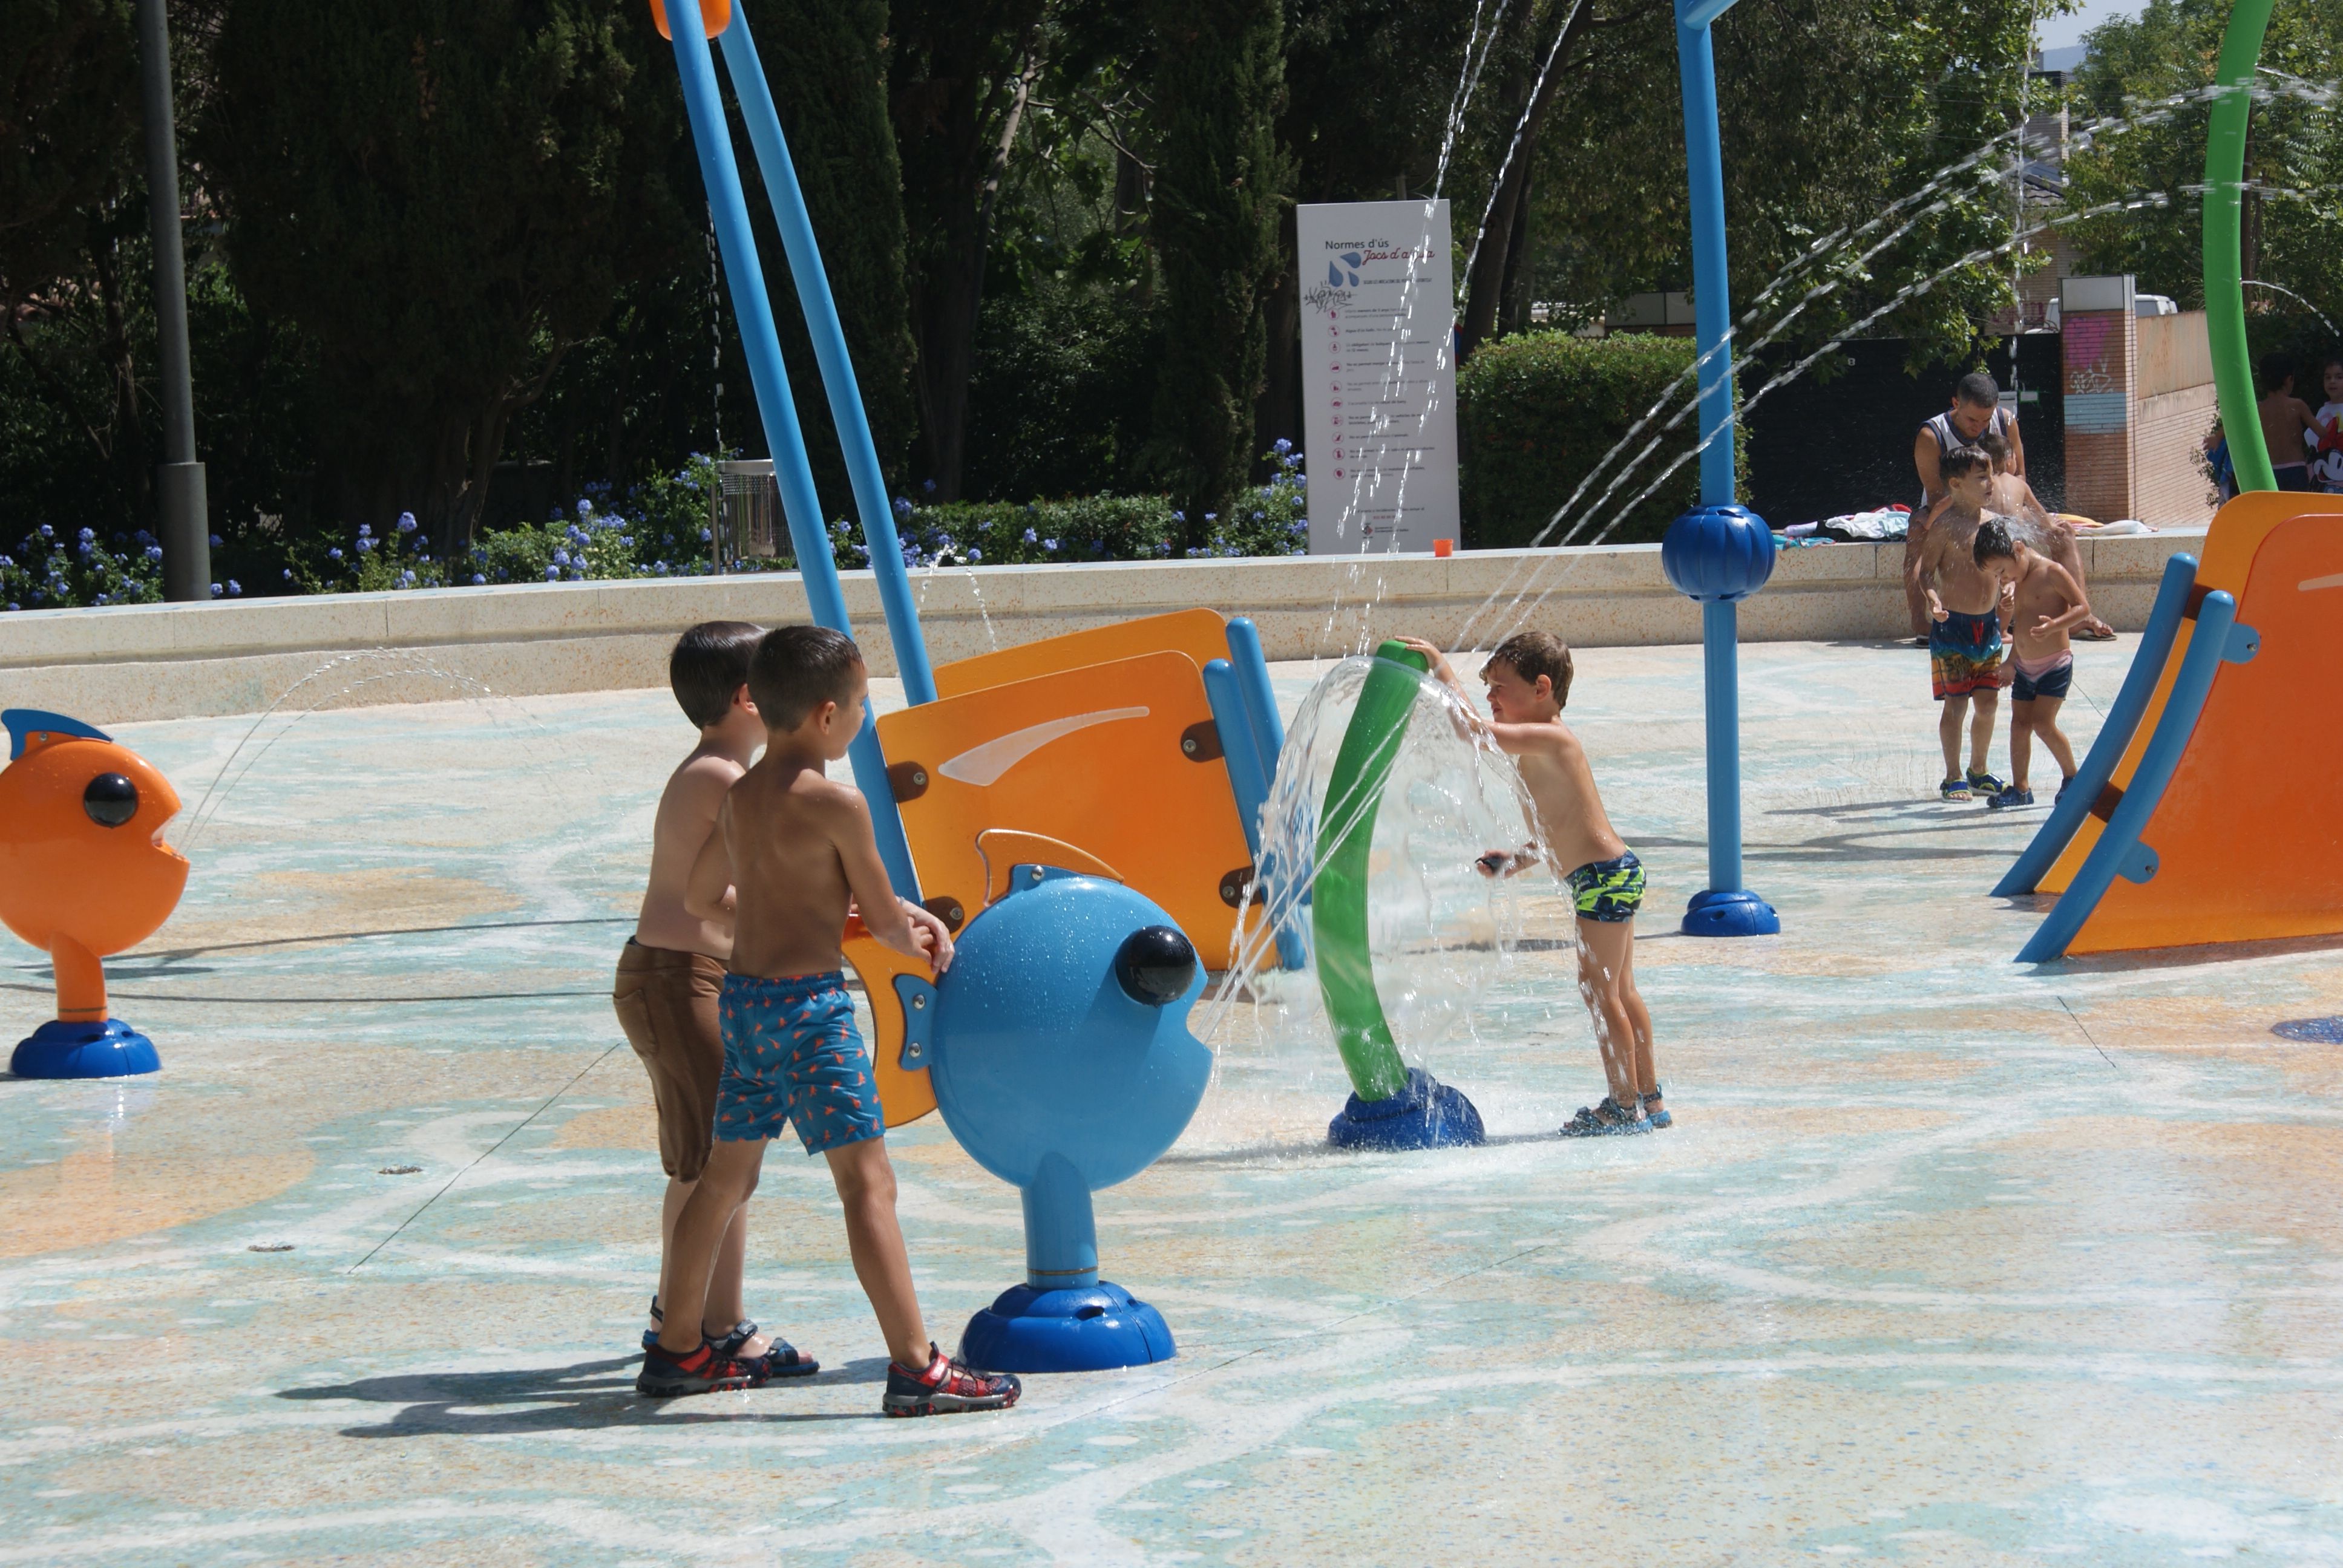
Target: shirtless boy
x=1976, y=412
x=673, y=966
x=2046, y=602
x=1528, y=681
x=1964, y=641
x=793, y=854
x=2285, y=419
x=2014, y=498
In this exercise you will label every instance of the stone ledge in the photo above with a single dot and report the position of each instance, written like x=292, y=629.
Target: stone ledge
x=133, y=662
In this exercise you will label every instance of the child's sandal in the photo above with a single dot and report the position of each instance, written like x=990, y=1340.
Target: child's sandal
x=1659, y=1118
x=1608, y=1120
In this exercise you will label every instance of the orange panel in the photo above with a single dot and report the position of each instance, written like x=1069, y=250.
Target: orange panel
x=1201, y=633
x=1091, y=757
x=2231, y=545
x=902, y=1096
x=2249, y=836
x=715, y=15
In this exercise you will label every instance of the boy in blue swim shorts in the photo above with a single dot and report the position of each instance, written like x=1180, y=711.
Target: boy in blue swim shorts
x=1965, y=637
x=1528, y=679
x=791, y=856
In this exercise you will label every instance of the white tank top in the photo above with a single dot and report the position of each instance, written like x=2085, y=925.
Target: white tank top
x=2003, y=423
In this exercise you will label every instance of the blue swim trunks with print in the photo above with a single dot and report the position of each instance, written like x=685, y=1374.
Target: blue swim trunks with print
x=792, y=1053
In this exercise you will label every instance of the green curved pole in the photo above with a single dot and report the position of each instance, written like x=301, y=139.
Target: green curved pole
x=2224, y=294
x=1338, y=905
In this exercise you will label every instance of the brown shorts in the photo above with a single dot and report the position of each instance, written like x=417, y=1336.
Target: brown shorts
x=666, y=1001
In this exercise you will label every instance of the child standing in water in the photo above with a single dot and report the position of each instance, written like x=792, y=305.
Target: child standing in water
x=1964, y=645
x=1528, y=681
x=673, y=966
x=2046, y=602
x=792, y=854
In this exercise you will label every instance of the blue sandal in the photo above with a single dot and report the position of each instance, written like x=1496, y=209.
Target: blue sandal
x=1608, y=1120
x=1659, y=1118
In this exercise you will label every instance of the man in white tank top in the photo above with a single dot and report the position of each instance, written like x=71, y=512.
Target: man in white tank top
x=1976, y=410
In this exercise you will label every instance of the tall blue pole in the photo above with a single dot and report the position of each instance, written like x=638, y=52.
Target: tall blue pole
x=753, y=312
x=1721, y=553
x=812, y=279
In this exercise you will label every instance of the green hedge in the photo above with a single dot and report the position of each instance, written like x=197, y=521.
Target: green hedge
x=1535, y=413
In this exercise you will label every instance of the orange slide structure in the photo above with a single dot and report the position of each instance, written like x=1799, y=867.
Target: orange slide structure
x=2222, y=818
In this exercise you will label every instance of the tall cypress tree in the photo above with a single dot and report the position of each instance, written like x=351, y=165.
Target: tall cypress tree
x=1220, y=186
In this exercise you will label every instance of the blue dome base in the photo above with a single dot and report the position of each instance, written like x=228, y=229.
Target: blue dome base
x=108, y=1050
x=1734, y=913
x=1085, y=1327
x=1426, y=1114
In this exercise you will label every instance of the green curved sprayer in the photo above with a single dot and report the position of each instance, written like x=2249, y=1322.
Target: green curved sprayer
x=1338, y=908
x=2225, y=295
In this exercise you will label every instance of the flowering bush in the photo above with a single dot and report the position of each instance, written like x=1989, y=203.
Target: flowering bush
x=662, y=529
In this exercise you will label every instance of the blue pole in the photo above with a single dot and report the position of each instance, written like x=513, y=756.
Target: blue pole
x=902, y=612
x=1720, y=650
x=1711, y=299
x=1724, y=908
x=753, y=312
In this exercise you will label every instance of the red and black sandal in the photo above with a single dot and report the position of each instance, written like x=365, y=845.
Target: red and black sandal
x=946, y=1387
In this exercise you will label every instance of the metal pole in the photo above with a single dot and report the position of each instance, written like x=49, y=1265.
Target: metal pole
x=2225, y=293
x=185, y=529
x=869, y=486
x=752, y=312
x=1711, y=294
x=1720, y=649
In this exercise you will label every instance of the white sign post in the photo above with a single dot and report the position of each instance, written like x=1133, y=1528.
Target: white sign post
x=1378, y=375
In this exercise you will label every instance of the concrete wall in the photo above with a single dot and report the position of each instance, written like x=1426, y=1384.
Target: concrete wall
x=2138, y=401
x=132, y=662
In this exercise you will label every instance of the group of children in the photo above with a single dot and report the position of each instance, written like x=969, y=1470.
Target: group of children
x=732, y=989
x=2304, y=445
x=1990, y=591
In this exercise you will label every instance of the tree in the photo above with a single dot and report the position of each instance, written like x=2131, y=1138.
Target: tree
x=959, y=79
x=2293, y=227
x=433, y=193
x=1220, y=189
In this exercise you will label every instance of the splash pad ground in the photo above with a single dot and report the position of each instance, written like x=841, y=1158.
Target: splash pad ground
x=1945, y=1261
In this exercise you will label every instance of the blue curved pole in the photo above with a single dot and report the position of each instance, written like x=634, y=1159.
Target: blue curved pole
x=903, y=611
x=753, y=313
x=2115, y=730
x=2119, y=851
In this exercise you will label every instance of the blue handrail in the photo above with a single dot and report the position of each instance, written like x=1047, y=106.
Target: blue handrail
x=2114, y=732
x=753, y=313
x=806, y=269
x=2119, y=851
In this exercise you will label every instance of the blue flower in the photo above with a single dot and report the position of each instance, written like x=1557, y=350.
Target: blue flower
x=1211, y=516
x=478, y=580
x=705, y=536
x=143, y=537
x=552, y=574
x=1281, y=446
x=1178, y=517
x=928, y=485
x=407, y=522
x=406, y=580
x=425, y=558
x=234, y=587
x=153, y=552
x=1258, y=516
x=626, y=540
x=216, y=538
x=288, y=574
x=101, y=599
x=88, y=536
x=1049, y=544
x=585, y=508
x=902, y=505
x=365, y=530
x=561, y=558
x=975, y=555
x=334, y=553
x=1029, y=536
x=47, y=532
x=365, y=544
x=216, y=590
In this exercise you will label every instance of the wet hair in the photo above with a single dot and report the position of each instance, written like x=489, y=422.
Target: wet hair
x=1978, y=390
x=710, y=662
x=1994, y=542
x=1994, y=446
x=2276, y=369
x=1530, y=654
x=798, y=668
x=1962, y=461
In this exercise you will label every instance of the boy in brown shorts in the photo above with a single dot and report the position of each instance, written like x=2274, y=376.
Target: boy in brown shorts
x=672, y=970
